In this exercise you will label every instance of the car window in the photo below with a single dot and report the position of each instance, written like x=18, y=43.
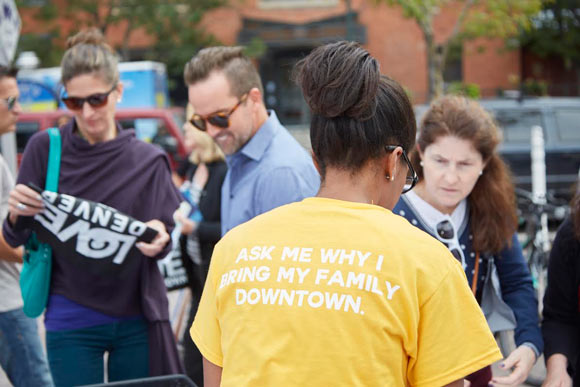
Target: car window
x=25, y=130
x=152, y=130
x=568, y=121
x=516, y=124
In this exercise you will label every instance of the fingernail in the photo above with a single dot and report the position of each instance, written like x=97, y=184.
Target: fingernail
x=139, y=244
x=39, y=197
x=502, y=365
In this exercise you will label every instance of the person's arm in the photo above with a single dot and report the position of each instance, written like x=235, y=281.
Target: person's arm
x=517, y=290
x=212, y=374
x=557, y=374
x=559, y=326
x=9, y=253
x=467, y=347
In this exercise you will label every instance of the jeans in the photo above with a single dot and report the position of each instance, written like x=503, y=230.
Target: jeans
x=76, y=356
x=21, y=353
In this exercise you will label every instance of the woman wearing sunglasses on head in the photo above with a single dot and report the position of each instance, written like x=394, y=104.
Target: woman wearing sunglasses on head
x=465, y=198
x=101, y=305
x=334, y=290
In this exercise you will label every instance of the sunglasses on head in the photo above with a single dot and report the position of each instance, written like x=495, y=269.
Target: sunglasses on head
x=219, y=119
x=96, y=100
x=10, y=102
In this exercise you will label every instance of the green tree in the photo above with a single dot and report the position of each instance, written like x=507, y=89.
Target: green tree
x=476, y=18
x=174, y=26
x=556, y=32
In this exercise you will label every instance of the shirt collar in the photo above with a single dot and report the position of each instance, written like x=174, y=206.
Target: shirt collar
x=256, y=147
x=431, y=216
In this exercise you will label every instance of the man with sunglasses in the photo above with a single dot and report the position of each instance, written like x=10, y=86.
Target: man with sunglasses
x=21, y=354
x=267, y=166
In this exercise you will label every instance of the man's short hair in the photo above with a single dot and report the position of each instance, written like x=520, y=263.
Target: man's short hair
x=9, y=72
x=238, y=69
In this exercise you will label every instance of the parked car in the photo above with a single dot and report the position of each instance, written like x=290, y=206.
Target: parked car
x=560, y=121
x=157, y=126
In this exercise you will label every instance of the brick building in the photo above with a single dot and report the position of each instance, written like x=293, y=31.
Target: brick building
x=291, y=28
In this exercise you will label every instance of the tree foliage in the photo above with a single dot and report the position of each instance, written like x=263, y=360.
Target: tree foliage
x=173, y=25
x=556, y=32
x=475, y=18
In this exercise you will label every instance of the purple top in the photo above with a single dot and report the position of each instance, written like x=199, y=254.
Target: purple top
x=63, y=314
x=126, y=174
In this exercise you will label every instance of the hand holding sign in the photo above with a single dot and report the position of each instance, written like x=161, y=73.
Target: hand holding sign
x=94, y=230
x=24, y=201
x=158, y=243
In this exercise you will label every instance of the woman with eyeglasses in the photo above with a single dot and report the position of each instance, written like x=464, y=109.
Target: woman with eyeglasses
x=98, y=304
x=334, y=290
x=465, y=198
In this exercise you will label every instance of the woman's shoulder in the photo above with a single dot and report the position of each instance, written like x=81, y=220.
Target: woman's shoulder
x=38, y=139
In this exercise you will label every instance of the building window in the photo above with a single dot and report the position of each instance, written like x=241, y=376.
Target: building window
x=270, y=4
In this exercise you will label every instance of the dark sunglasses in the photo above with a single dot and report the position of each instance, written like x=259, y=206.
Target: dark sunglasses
x=10, y=102
x=219, y=119
x=446, y=234
x=95, y=100
x=412, y=178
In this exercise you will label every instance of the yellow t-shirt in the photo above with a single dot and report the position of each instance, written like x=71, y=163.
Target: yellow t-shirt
x=327, y=293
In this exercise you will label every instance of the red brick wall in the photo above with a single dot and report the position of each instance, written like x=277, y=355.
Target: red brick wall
x=491, y=68
x=395, y=41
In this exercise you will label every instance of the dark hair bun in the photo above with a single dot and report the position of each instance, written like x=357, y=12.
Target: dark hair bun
x=340, y=79
x=91, y=36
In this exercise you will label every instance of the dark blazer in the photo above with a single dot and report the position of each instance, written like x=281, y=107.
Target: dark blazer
x=209, y=229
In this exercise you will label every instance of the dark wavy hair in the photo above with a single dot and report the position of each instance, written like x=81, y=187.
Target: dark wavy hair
x=492, y=203
x=356, y=111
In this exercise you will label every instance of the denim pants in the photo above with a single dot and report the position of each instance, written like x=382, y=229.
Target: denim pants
x=21, y=353
x=76, y=356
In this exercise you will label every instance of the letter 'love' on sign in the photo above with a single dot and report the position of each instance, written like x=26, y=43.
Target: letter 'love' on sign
x=92, y=230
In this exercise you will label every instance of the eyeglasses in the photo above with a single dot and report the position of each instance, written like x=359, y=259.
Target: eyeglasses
x=96, y=100
x=10, y=102
x=445, y=232
x=412, y=178
x=219, y=119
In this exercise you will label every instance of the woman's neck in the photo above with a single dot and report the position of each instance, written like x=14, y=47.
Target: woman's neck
x=344, y=185
x=107, y=136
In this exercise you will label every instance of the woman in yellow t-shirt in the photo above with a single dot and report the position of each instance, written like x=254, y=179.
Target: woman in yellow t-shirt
x=336, y=290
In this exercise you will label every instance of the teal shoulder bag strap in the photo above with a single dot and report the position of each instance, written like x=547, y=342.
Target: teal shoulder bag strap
x=37, y=260
x=53, y=170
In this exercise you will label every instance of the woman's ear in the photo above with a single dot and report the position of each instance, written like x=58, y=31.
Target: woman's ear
x=390, y=163
x=119, y=91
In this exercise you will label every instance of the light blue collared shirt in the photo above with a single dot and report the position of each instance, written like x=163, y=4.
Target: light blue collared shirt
x=271, y=170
